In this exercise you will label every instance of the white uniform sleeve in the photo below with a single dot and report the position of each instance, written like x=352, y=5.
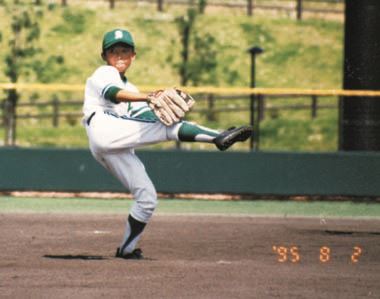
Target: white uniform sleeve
x=96, y=87
x=99, y=82
x=105, y=77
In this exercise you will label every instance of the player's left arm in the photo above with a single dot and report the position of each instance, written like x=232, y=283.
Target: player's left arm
x=117, y=95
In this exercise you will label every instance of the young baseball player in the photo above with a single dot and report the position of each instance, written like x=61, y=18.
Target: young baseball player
x=118, y=119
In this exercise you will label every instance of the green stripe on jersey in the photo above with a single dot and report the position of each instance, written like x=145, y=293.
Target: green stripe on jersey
x=111, y=94
x=147, y=115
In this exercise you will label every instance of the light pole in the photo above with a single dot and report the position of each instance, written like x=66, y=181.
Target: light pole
x=254, y=141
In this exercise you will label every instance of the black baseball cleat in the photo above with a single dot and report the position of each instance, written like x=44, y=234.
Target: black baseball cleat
x=134, y=255
x=227, y=138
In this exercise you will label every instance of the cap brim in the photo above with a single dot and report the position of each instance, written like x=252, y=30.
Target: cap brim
x=117, y=42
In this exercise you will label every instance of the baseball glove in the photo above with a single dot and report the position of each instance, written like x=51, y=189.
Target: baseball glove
x=170, y=105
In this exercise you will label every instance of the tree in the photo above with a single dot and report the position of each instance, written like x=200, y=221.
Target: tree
x=202, y=6
x=198, y=53
x=185, y=25
x=24, y=31
x=198, y=63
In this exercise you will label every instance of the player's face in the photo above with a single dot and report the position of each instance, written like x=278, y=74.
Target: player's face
x=120, y=57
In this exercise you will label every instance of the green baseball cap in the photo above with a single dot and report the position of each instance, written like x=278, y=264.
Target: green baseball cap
x=117, y=36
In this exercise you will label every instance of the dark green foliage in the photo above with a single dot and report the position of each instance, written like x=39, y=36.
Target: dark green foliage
x=73, y=22
x=202, y=6
x=51, y=6
x=256, y=33
x=229, y=75
x=283, y=55
x=25, y=30
x=198, y=54
x=22, y=59
x=49, y=70
x=202, y=66
x=185, y=25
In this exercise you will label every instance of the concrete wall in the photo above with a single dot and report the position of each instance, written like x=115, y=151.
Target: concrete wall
x=342, y=173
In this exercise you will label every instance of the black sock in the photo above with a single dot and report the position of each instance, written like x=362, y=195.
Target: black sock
x=136, y=227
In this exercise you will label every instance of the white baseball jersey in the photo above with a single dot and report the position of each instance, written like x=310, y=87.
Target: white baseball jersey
x=98, y=84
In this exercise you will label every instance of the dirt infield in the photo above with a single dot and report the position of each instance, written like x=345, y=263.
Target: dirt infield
x=71, y=256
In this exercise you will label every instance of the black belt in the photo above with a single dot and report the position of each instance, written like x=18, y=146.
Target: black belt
x=89, y=119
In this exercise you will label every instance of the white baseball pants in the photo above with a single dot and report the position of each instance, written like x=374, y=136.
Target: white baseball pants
x=112, y=142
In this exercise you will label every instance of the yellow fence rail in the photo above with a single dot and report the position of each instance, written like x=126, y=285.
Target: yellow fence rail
x=257, y=104
x=206, y=90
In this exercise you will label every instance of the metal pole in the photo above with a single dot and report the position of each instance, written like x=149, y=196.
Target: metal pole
x=314, y=106
x=259, y=99
x=261, y=107
x=250, y=7
x=252, y=141
x=55, y=104
x=299, y=9
x=10, y=118
x=6, y=115
x=340, y=122
x=361, y=115
x=210, y=105
x=254, y=145
x=160, y=5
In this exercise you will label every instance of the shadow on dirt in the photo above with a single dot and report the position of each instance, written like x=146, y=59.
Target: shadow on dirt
x=336, y=232
x=75, y=257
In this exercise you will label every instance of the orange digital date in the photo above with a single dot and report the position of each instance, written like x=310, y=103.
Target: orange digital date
x=283, y=253
x=292, y=254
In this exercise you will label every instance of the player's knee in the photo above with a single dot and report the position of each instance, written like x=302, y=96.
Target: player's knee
x=150, y=198
x=146, y=203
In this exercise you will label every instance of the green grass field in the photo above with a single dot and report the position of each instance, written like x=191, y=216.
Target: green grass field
x=305, y=54
x=278, y=208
